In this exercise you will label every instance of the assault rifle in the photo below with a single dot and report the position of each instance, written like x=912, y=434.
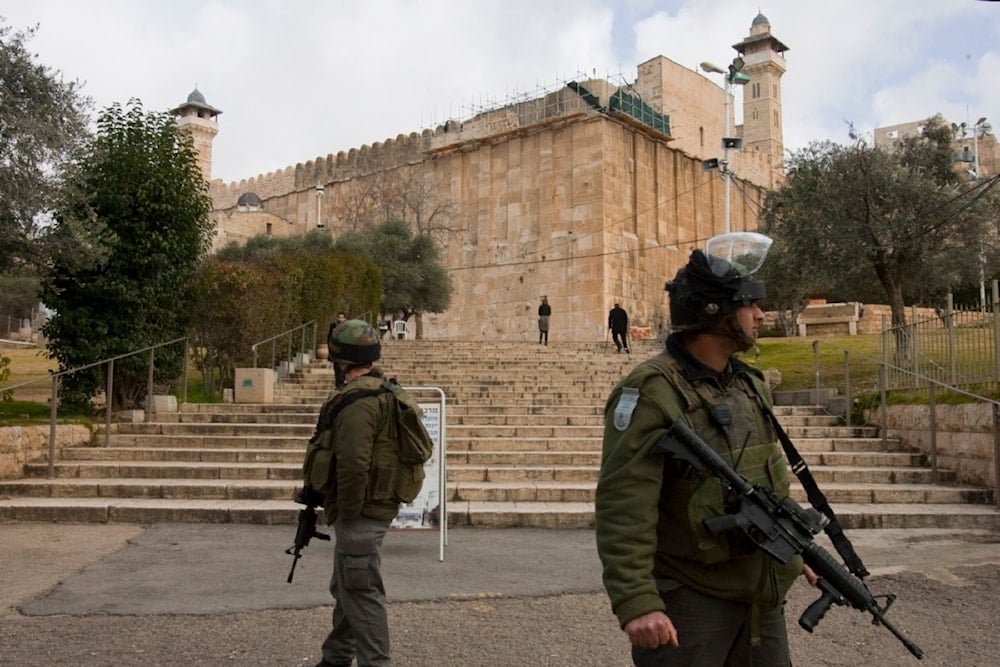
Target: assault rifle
x=780, y=528
x=306, y=529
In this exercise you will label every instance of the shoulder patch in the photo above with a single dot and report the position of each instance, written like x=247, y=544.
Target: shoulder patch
x=627, y=401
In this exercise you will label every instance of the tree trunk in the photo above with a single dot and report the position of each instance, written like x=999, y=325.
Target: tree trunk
x=901, y=333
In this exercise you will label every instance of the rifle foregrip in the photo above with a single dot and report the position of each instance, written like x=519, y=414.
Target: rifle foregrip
x=837, y=580
x=815, y=612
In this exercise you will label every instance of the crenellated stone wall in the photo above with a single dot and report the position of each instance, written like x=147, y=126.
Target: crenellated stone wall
x=553, y=196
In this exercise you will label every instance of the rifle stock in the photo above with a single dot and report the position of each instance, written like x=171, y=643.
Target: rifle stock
x=780, y=528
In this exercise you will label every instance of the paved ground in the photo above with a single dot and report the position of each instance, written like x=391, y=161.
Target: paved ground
x=193, y=594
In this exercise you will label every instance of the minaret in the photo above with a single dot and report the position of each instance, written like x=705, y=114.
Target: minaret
x=198, y=117
x=764, y=61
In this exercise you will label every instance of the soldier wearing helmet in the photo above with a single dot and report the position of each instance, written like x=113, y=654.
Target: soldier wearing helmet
x=663, y=572
x=359, y=496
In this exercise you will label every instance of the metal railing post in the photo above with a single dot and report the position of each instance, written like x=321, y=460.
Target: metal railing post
x=883, y=372
x=149, y=389
x=932, y=422
x=848, y=401
x=996, y=330
x=952, y=355
x=815, y=346
x=184, y=361
x=886, y=337
x=108, y=392
x=996, y=447
x=53, y=406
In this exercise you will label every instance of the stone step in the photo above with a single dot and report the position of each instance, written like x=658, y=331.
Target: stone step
x=524, y=429
x=172, y=469
x=169, y=488
x=210, y=441
x=524, y=444
x=214, y=428
x=299, y=417
x=495, y=491
x=182, y=455
x=837, y=494
x=505, y=396
x=481, y=514
x=489, y=459
x=851, y=516
x=844, y=444
x=459, y=431
x=824, y=474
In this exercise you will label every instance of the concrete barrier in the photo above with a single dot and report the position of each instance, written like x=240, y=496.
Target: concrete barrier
x=254, y=385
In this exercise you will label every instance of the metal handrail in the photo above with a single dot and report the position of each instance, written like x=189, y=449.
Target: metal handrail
x=932, y=387
x=109, y=390
x=275, y=338
x=920, y=381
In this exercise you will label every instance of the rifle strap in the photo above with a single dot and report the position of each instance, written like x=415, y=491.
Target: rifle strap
x=816, y=498
x=327, y=418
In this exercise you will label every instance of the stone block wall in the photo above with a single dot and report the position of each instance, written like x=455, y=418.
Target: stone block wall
x=964, y=437
x=574, y=205
x=20, y=444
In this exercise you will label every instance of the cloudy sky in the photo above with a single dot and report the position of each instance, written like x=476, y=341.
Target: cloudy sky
x=297, y=79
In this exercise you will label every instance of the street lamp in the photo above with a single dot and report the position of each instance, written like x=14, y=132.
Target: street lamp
x=319, y=206
x=734, y=75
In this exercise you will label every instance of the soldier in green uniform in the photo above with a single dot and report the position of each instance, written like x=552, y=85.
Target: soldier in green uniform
x=356, y=476
x=683, y=596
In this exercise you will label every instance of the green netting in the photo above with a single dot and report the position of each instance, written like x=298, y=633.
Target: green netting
x=642, y=112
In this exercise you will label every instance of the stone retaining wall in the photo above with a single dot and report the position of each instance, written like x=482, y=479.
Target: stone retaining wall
x=20, y=444
x=964, y=437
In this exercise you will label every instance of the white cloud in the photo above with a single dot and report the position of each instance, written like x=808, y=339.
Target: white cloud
x=297, y=79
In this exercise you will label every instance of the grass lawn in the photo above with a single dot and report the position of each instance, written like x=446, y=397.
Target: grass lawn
x=29, y=364
x=805, y=363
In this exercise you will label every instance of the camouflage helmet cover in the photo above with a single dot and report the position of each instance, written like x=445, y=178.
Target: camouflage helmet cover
x=354, y=342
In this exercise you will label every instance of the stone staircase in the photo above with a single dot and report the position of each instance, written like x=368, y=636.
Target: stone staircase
x=524, y=426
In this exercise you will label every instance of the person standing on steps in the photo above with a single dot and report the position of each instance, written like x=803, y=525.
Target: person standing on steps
x=618, y=323
x=682, y=595
x=544, y=313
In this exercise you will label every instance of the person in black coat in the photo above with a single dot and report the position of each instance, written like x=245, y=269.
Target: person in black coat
x=544, y=312
x=618, y=323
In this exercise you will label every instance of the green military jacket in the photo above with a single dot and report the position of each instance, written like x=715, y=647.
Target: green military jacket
x=649, y=509
x=363, y=456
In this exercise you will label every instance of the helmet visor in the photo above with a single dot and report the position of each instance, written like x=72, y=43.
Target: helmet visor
x=743, y=251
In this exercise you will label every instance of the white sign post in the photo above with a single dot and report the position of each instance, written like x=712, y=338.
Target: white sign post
x=429, y=508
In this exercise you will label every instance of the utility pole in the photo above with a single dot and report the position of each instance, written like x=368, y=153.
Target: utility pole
x=734, y=75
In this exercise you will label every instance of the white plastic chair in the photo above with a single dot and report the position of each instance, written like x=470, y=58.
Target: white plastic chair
x=399, y=330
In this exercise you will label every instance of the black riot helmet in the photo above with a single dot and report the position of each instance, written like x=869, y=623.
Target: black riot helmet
x=354, y=342
x=717, y=281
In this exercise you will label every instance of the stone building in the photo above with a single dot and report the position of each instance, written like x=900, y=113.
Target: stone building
x=590, y=194
x=976, y=150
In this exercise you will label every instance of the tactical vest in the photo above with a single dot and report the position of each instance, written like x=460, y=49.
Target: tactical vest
x=732, y=420
x=390, y=480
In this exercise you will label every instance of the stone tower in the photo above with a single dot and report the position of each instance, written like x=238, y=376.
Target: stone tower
x=198, y=117
x=764, y=61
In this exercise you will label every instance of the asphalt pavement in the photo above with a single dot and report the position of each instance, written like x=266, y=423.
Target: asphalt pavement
x=49, y=569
